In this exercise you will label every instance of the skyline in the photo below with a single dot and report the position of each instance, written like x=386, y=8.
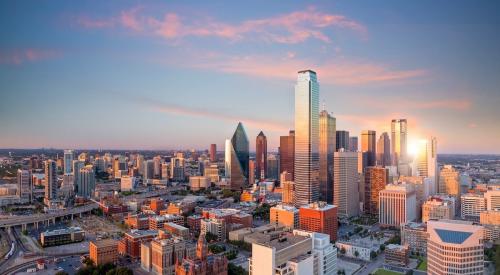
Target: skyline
x=109, y=76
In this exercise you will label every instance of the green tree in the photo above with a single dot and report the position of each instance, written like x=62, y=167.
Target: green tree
x=211, y=237
x=61, y=273
x=356, y=254
x=233, y=269
x=382, y=247
x=373, y=255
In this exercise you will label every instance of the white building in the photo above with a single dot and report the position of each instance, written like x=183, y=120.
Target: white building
x=326, y=253
x=359, y=249
x=127, y=183
x=214, y=226
x=472, y=206
x=397, y=205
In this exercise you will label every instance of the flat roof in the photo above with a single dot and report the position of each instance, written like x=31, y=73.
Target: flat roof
x=285, y=242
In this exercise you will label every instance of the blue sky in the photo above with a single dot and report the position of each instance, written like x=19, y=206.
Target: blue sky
x=164, y=75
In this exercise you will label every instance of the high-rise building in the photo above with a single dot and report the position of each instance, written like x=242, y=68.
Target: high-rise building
x=237, y=158
x=319, y=217
x=24, y=185
x=165, y=253
x=50, y=180
x=287, y=153
x=327, y=126
x=306, y=138
x=454, y=247
x=472, y=205
x=261, y=156
x=353, y=144
x=449, y=181
x=376, y=178
x=213, y=152
x=397, y=205
x=85, y=185
x=342, y=140
x=345, y=183
x=251, y=171
x=69, y=156
x=384, y=150
x=76, y=166
x=369, y=145
x=398, y=141
x=426, y=162
x=149, y=169
x=326, y=252
x=157, y=167
x=273, y=167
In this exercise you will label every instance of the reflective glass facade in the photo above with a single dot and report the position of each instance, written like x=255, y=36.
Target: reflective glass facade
x=327, y=136
x=237, y=158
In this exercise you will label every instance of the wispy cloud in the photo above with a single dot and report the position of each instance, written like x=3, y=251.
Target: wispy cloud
x=290, y=28
x=267, y=124
x=414, y=104
x=20, y=56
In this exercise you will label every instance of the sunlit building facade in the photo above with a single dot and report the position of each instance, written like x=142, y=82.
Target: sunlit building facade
x=376, y=178
x=327, y=126
x=384, y=150
x=369, y=145
x=306, y=138
x=261, y=156
x=287, y=153
x=236, y=161
x=398, y=140
x=345, y=183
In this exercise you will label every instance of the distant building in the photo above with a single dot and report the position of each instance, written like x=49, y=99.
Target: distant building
x=462, y=240
x=50, y=180
x=103, y=251
x=399, y=141
x=384, y=150
x=342, y=140
x=202, y=263
x=353, y=144
x=127, y=183
x=236, y=161
x=69, y=156
x=369, y=145
x=198, y=182
x=492, y=199
x=85, y=185
x=436, y=208
x=213, y=152
x=261, y=156
x=287, y=153
x=24, y=185
x=273, y=167
x=415, y=236
x=449, y=181
x=288, y=192
x=345, y=183
x=62, y=236
x=472, y=206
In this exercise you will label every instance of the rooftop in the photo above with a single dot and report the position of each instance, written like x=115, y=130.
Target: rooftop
x=62, y=231
x=285, y=242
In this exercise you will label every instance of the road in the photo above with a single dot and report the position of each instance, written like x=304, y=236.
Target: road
x=371, y=266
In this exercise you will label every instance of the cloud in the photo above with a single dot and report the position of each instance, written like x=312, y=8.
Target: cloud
x=291, y=28
x=332, y=71
x=268, y=124
x=405, y=104
x=20, y=56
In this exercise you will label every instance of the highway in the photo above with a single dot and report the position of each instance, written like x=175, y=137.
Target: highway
x=31, y=219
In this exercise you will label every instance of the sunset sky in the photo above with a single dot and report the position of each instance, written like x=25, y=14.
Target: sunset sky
x=181, y=74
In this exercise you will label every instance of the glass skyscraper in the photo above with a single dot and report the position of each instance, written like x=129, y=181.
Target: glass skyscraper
x=261, y=156
x=236, y=162
x=398, y=140
x=306, y=138
x=327, y=135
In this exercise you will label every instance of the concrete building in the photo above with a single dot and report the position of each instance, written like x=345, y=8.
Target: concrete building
x=472, y=206
x=384, y=150
x=345, y=183
x=24, y=185
x=326, y=252
x=492, y=199
x=426, y=162
x=85, y=185
x=103, y=251
x=215, y=226
x=369, y=146
x=165, y=252
x=62, y=236
x=353, y=144
x=436, y=208
x=454, y=247
x=449, y=181
x=397, y=254
x=130, y=244
x=198, y=182
x=319, y=217
x=212, y=173
x=284, y=215
x=414, y=235
x=491, y=217
x=357, y=249
x=213, y=152
x=399, y=142
x=288, y=192
x=397, y=205
x=69, y=156
x=127, y=183
x=376, y=178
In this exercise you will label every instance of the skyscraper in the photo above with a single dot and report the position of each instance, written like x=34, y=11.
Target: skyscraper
x=251, y=171
x=287, y=153
x=398, y=140
x=306, y=138
x=342, y=140
x=376, y=178
x=426, y=162
x=69, y=155
x=237, y=158
x=24, y=185
x=50, y=180
x=345, y=183
x=384, y=150
x=353, y=144
x=449, y=181
x=261, y=156
x=86, y=181
x=327, y=126
x=368, y=145
x=397, y=205
x=213, y=152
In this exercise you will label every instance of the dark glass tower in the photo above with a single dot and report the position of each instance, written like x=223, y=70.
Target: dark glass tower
x=261, y=156
x=237, y=158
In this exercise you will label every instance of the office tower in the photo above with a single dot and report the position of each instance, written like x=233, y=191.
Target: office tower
x=50, y=180
x=236, y=161
x=415, y=236
x=24, y=185
x=472, y=206
x=368, y=145
x=261, y=156
x=69, y=155
x=251, y=171
x=157, y=167
x=492, y=199
x=273, y=167
x=449, y=181
x=397, y=205
x=384, y=150
x=306, y=138
x=288, y=192
x=149, y=169
x=426, y=162
x=213, y=152
x=376, y=178
x=436, y=208
x=127, y=183
x=398, y=141
x=86, y=182
x=454, y=247
x=284, y=215
x=341, y=140
x=353, y=144
x=326, y=252
x=77, y=165
x=165, y=175
x=327, y=126
x=287, y=153
x=139, y=163
x=345, y=183
x=319, y=217
x=216, y=226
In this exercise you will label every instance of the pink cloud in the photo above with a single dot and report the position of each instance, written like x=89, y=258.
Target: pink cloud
x=291, y=28
x=20, y=56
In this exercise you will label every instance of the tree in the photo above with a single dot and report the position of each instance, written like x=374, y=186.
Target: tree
x=88, y=261
x=61, y=273
x=233, y=269
x=382, y=247
x=209, y=236
x=356, y=254
x=342, y=251
x=373, y=255
x=497, y=260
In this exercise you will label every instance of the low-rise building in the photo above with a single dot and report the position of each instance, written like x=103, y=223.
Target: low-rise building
x=414, y=235
x=358, y=249
x=62, y=236
x=103, y=251
x=436, y=208
x=130, y=244
x=158, y=222
x=177, y=230
x=397, y=254
x=472, y=206
x=284, y=215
